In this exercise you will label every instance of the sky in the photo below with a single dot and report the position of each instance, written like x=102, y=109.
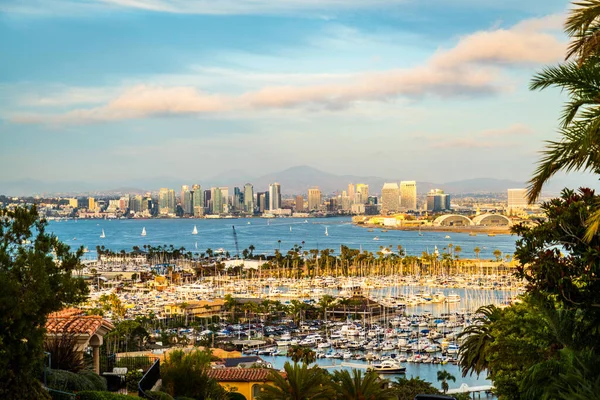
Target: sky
x=121, y=90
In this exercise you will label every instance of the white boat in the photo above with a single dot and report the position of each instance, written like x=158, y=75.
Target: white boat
x=447, y=237
x=248, y=222
x=144, y=231
x=453, y=298
x=195, y=231
x=290, y=228
x=103, y=235
x=326, y=233
x=376, y=238
x=420, y=234
x=388, y=367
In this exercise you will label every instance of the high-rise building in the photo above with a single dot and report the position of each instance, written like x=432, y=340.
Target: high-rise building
x=346, y=201
x=362, y=193
x=262, y=201
x=238, y=199
x=91, y=204
x=274, y=196
x=208, y=201
x=314, y=199
x=135, y=203
x=390, y=198
x=437, y=200
x=163, y=201
x=299, y=204
x=187, y=200
x=248, y=198
x=217, y=200
x=408, y=195
x=351, y=192
x=197, y=200
x=517, y=199
x=225, y=196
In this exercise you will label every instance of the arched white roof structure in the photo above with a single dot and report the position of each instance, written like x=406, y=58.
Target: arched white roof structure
x=491, y=220
x=452, y=220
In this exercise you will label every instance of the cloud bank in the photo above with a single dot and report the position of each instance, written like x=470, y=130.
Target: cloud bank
x=473, y=67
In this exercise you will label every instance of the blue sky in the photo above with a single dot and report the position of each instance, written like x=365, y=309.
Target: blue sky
x=119, y=90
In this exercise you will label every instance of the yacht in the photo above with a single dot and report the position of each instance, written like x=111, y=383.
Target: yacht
x=453, y=298
x=388, y=367
x=447, y=237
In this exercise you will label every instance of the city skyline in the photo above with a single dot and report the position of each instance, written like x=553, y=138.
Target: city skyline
x=344, y=87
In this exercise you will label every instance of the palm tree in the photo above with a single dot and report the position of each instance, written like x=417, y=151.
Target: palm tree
x=583, y=26
x=301, y=354
x=355, y=386
x=302, y=383
x=445, y=376
x=498, y=254
x=477, y=340
x=477, y=250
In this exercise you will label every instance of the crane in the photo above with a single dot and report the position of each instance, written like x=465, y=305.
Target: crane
x=237, y=246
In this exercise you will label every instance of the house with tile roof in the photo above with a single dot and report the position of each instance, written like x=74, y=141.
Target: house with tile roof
x=89, y=330
x=244, y=381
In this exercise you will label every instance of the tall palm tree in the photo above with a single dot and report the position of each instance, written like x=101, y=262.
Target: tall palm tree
x=445, y=376
x=583, y=27
x=302, y=383
x=477, y=340
x=355, y=386
x=302, y=354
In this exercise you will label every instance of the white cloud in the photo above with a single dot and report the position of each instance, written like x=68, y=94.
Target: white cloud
x=471, y=68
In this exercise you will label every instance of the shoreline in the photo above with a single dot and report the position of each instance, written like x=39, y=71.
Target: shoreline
x=484, y=230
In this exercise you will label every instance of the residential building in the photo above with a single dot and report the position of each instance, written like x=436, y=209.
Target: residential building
x=314, y=199
x=408, y=195
x=245, y=381
x=437, y=200
x=248, y=198
x=217, y=200
x=299, y=204
x=351, y=192
x=197, y=200
x=517, y=199
x=362, y=193
x=187, y=201
x=390, y=198
x=274, y=196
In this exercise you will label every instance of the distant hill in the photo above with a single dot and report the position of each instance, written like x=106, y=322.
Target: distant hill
x=294, y=180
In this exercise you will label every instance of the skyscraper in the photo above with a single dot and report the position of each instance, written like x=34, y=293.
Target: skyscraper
x=362, y=193
x=217, y=200
x=187, y=200
x=408, y=195
x=274, y=196
x=517, y=199
x=437, y=200
x=299, y=206
x=261, y=201
x=314, y=199
x=163, y=201
x=351, y=192
x=91, y=204
x=248, y=198
x=197, y=200
x=208, y=201
x=171, y=204
x=238, y=199
x=390, y=198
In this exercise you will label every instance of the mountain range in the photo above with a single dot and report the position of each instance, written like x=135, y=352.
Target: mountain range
x=294, y=180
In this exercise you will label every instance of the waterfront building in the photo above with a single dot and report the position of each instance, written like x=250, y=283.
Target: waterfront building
x=163, y=201
x=314, y=199
x=238, y=199
x=248, y=198
x=408, y=195
x=135, y=203
x=346, y=201
x=217, y=200
x=91, y=204
x=274, y=196
x=390, y=198
x=362, y=193
x=517, y=199
x=225, y=196
x=187, y=201
x=299, y=204
x=350, y=192
x=197, y=200
x=73, y=202
x=437, y=200
x=261, y=201
x=208, y=201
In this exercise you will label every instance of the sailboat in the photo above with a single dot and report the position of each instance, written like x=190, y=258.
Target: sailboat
x=144, y=231
x=420, y=233
x=103, y=235
x=195, y=231
x=326, y=233
x=290, y=228
x=196, y=245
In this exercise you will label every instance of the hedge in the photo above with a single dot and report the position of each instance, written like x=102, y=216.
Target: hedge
x=71, y=382
x=96, y=395
x=160, y=396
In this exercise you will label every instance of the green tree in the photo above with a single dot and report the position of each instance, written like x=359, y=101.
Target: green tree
x=445, y=376
x=355, y=386
x=477, y=339
x=302, y=354
x=186, y=375
x=407, y=389
x=300, y=383
x=36, y=277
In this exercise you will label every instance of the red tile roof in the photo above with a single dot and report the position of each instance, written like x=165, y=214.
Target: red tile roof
x=240, y=374
x=74, y=320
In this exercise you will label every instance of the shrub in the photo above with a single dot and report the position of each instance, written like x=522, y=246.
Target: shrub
x=99, y=382
x=68, y=381
x=63, y=352
x=132, y=379
x=160, y=396
x=95, y=395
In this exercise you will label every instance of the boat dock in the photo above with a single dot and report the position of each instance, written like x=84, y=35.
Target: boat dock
x=464, y=388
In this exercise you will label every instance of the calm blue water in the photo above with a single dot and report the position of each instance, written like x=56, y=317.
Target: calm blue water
x=265, y=236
